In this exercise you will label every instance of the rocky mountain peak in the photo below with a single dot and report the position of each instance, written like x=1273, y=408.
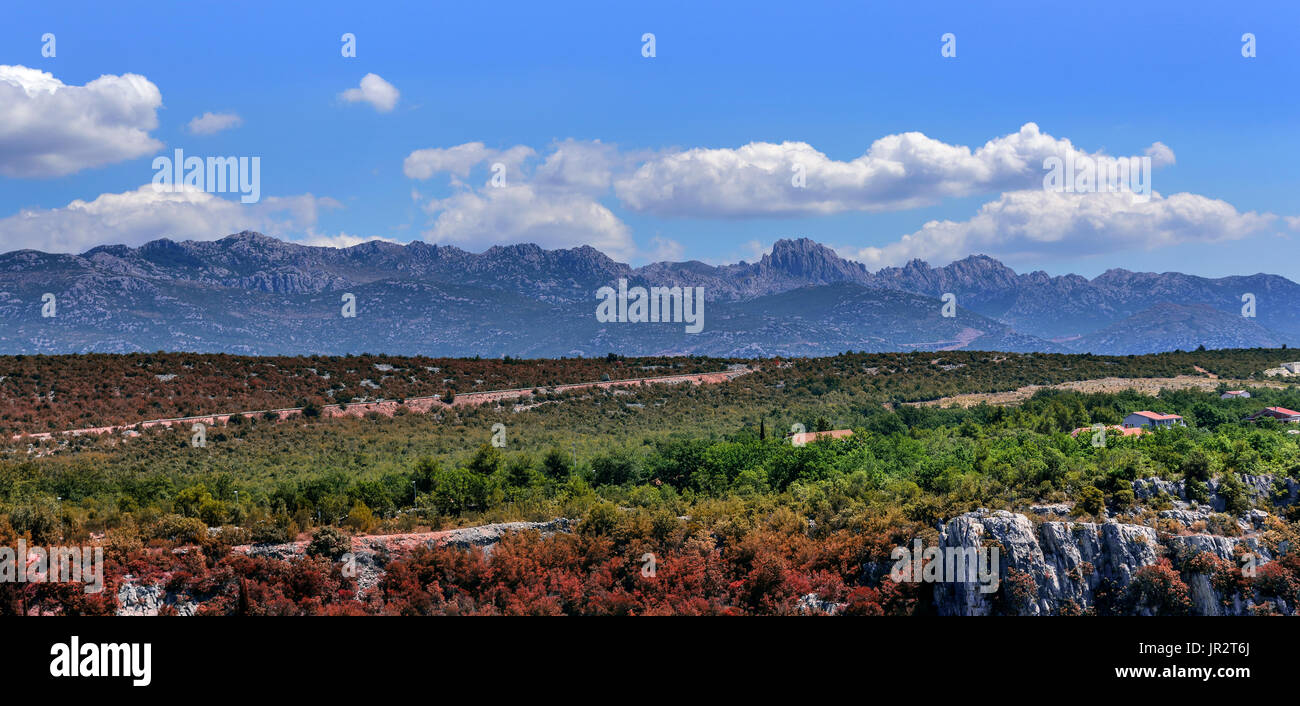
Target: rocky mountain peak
x=807, y=259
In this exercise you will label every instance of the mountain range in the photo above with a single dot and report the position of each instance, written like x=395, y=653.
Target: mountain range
x=252, y=294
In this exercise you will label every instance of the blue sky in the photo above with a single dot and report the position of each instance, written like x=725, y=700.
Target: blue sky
x=644, y=157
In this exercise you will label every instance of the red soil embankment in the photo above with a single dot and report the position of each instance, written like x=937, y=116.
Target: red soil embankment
x=388, y=408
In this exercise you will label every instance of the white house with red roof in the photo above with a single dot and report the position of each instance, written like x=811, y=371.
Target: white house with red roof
x=1234, y=394
x=1155, y=420
x=1278, y=413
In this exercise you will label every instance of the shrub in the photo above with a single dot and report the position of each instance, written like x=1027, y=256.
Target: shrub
x=1157, y=590
x=614, y=468
x=266, y=531
x=1233, y=492
x=360, y=518
x=600, y=520
x=184, y=530
x=1123, y=499
x=40, y=520
x=330, y=543
x=556, y=465
x=1092, y=500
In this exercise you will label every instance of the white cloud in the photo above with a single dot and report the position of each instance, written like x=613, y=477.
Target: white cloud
x=136, y=217
x=212, y=123
x=1024, y=225
x=756, y=250
x=1293, y=222
x=522, y=213
x=904, y=171
x=555, y=200
x=666, y=250
x=374, y=90
x=583, y=166
x=48, y=128
x=459, y=160
x=554, y=205
x=342, y=240
x=1160, y=154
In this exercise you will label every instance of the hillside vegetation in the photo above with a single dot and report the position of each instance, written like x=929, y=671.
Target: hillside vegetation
x=738, y=519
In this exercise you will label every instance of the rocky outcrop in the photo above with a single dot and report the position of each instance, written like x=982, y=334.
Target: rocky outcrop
x=1259, y=489
x=149, y=599
x=370, y=553
x=484, y=536
x=1060, y=509
x=812, y=604
x=1066, y=567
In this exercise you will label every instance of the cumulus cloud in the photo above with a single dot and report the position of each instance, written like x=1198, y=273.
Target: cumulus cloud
x=49, y=129
x=523, y=213
x=666, y=250
x=1293, y=222
x=1023, y=225
x=459, y=160
x=212, y=123
x=555, y=199
x=582, y=166
x=341, y=240
x=553, y=204
x=380, y=94
x=136, y=217
x=1160, y=154
x=903, y=171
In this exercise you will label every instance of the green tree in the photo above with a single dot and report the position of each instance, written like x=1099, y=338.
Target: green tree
x=486, y=461
x=1196, y=466
x=555, y=464
x=1092, y=500
x=614, y=468
x=1233, y=491
x=519, y=471
x=189, y=500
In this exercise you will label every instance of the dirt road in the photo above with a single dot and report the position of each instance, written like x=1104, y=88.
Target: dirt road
x=389, y=407
x=1146, y=386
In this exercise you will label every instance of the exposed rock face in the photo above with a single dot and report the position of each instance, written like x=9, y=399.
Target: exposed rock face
x=1259, y=488
x=138, y=599
x=812, y=604
x=1063, y=567
x=370, y=553
x=1061, y=509
x=484, y=536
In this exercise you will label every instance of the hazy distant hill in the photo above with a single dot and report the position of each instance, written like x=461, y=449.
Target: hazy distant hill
x=1177, y=327
x=249, y=293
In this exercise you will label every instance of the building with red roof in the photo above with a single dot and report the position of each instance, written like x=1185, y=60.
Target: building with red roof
x=1155, y=420
x=1279, y=413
